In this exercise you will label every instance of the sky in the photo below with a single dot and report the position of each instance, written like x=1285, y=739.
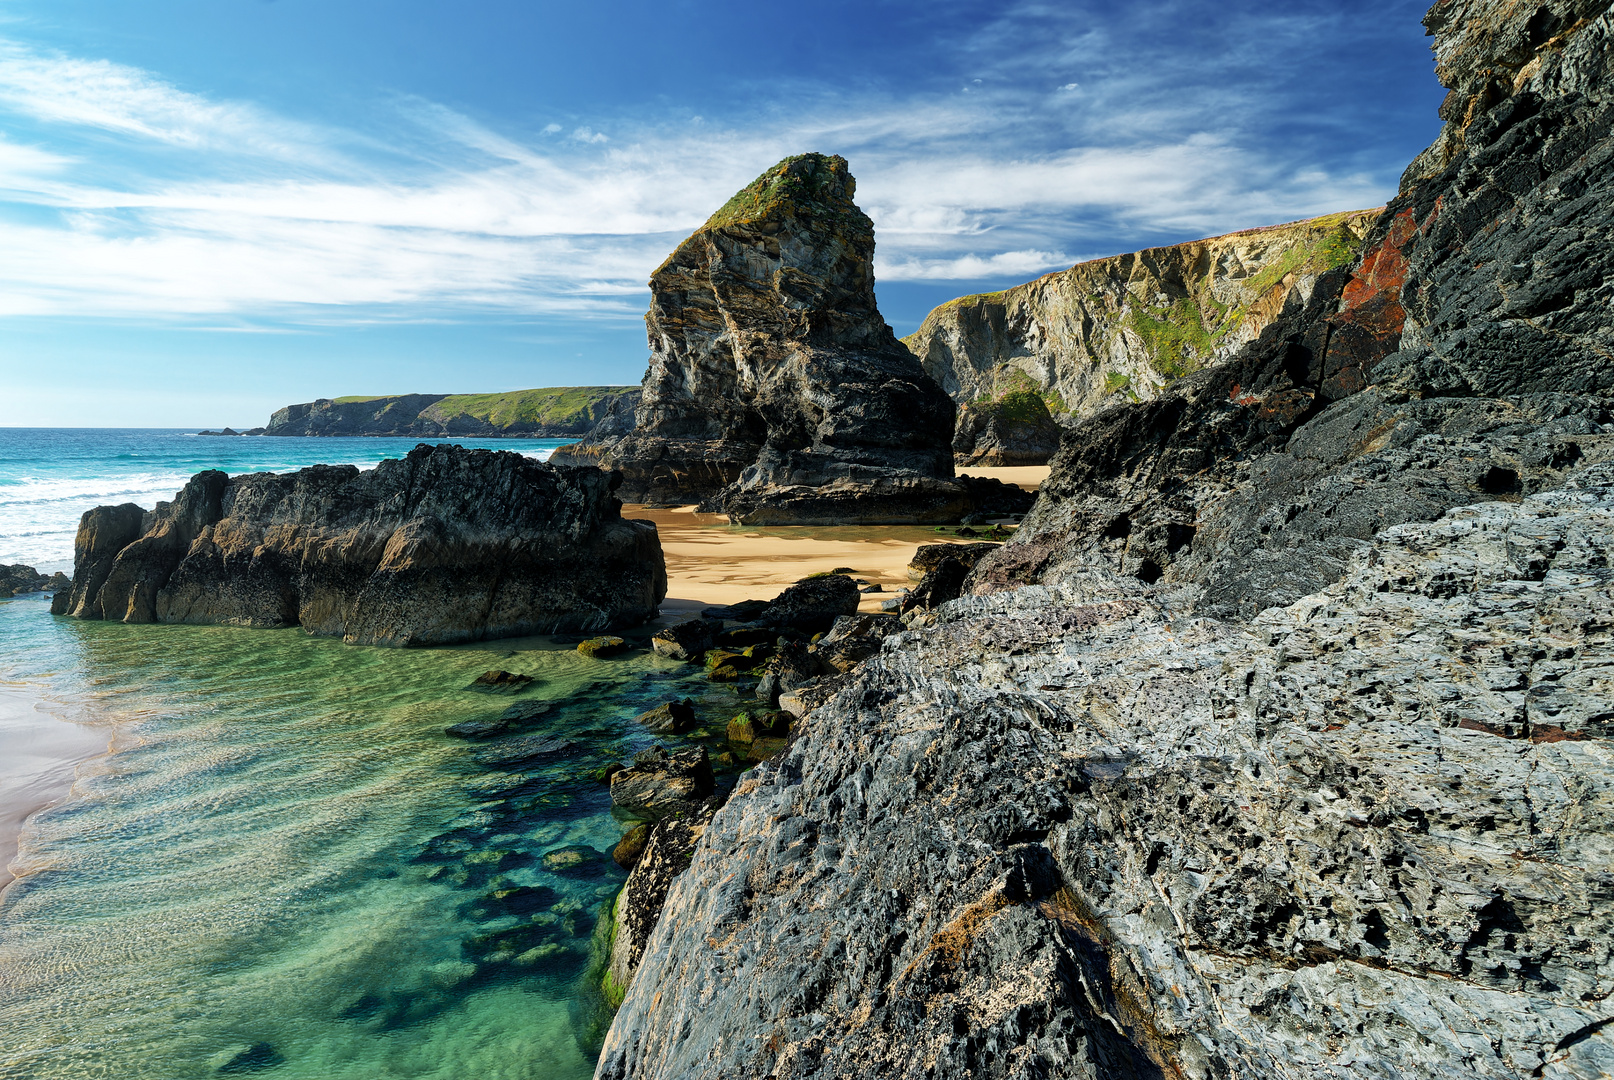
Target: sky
x=213, y=208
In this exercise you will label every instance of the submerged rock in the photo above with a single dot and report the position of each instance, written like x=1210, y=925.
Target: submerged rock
x=445, y=545
x=501, y=682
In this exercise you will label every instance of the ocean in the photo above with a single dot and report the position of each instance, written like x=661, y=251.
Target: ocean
x=288, y=868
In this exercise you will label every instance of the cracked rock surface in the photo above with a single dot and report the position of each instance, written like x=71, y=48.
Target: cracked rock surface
x=1080, y=831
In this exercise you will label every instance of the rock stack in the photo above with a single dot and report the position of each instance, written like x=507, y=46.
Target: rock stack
x=776, y=391
x=445, y=545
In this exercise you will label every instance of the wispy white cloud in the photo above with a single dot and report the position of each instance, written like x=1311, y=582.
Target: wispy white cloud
x=446, y=213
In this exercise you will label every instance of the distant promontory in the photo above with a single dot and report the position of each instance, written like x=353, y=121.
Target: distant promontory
x=555, y=412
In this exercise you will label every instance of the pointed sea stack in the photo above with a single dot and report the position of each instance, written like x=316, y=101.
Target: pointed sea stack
x=776, y=391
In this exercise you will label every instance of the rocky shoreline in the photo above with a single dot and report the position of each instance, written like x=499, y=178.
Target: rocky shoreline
x=1276, y=742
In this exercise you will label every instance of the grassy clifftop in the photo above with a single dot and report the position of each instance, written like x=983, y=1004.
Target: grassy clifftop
x=554, y=411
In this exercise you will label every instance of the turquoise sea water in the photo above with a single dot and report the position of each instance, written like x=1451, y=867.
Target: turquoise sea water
x=289, y=870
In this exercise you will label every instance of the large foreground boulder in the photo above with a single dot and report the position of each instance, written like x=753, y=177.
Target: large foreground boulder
x=776, y=391
x=1080, y=832
x=444, y=545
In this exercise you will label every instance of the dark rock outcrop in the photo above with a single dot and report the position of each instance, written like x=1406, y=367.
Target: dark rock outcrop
x=19, y=579
x=441, y=546
x=813, y=604
x=1014, y=429
x=688, y=640
x=1277, y=742
x=776, y=391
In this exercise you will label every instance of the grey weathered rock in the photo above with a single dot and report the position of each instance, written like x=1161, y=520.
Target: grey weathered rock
x=853, y=639
x=444, y=545
x=1077, y=831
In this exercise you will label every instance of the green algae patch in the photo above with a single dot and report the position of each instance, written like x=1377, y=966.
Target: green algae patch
x=814, y=183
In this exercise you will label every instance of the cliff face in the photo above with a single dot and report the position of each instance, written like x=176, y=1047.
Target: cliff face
x=1277, y=742
x=1123, y=328
x=442, y=546
x=556, y=412
x=775, y=389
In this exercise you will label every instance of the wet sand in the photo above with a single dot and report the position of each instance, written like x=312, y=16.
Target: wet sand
x=38, y=753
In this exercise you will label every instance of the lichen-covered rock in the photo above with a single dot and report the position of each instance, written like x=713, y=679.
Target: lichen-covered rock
x=444, y=545
x=1120, y=328
x=603, y=646
x=1077, y=831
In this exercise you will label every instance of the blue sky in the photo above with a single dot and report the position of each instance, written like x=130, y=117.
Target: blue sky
x=211, y=208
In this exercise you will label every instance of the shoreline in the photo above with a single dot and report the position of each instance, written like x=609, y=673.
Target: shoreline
x=37, y=771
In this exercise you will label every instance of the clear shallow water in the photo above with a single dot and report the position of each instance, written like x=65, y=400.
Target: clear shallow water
x=50, y=476
x=290, y=870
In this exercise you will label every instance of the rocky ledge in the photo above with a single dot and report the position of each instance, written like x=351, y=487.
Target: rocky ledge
x=776, y=391
x=444, y=545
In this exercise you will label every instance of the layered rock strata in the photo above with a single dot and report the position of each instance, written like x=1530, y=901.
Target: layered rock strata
x=1078, y=831
x=1122, y=328
x=775, y=390
x=444, y=545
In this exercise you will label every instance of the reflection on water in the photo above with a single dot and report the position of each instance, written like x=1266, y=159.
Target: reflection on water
x=295, y=872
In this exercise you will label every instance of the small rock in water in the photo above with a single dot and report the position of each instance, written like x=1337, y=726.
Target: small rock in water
x=627, y=852
x=599, y=647
x=686, y=641
x=523, y=750
x=673, y=718
x=501, y=682
x=257, y=1056
x=661, y=783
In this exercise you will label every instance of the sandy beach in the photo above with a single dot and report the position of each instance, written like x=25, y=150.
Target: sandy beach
x=41, y=751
